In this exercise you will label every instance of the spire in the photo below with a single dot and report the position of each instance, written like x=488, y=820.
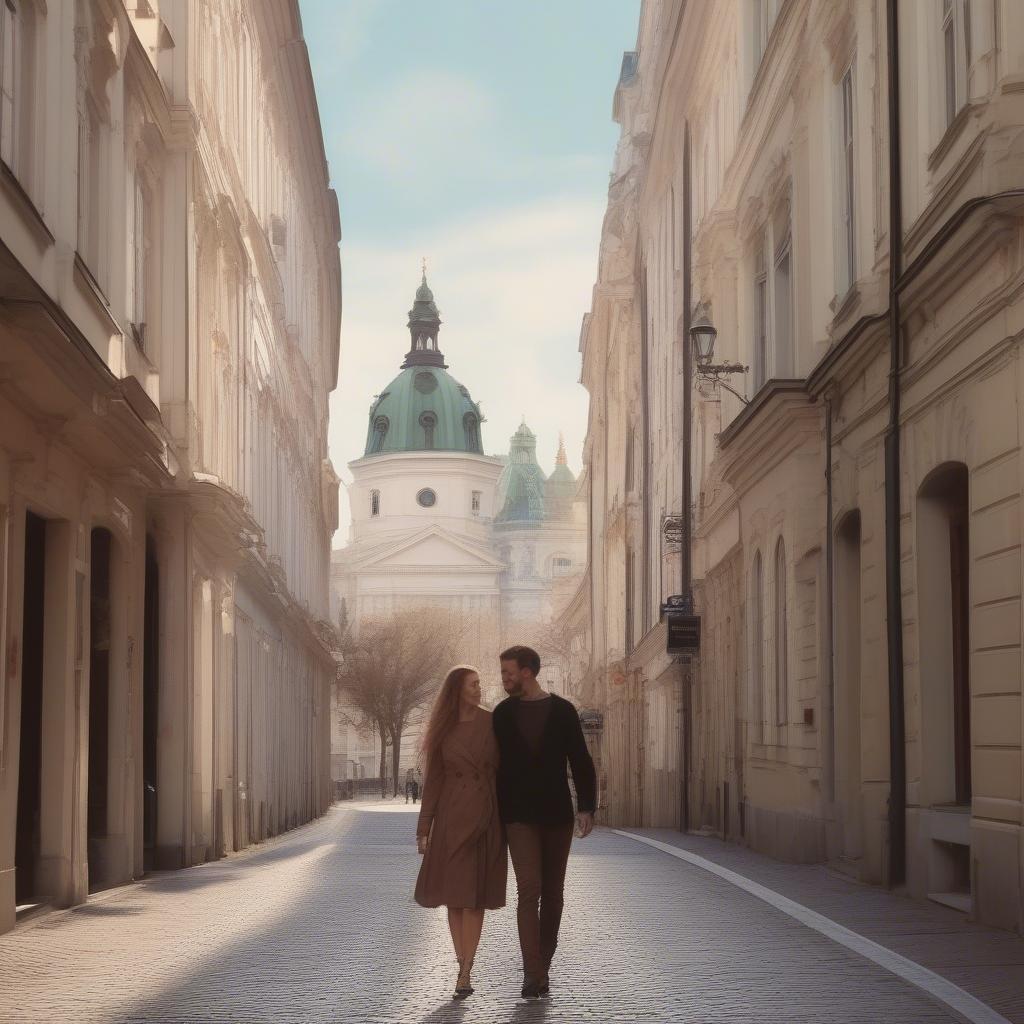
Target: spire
x=424, y=324
x=561, y=459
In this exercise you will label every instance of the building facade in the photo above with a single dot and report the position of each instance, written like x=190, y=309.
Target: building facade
x=169, y=330
x=437, y=523
x=837, y=188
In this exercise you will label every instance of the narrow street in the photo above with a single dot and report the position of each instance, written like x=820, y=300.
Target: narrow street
x=319, y=925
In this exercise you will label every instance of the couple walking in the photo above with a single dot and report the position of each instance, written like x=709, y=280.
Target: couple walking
x=497, y=781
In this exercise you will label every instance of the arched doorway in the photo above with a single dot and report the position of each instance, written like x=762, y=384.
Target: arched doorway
x=847, y=702
x=150, y=705
x=99, y=699
x=27, y=839
x=944, y=572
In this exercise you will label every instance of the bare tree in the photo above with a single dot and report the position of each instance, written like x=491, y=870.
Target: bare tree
x=391, y=669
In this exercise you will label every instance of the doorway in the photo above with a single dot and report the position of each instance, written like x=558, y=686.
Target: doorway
x=847, y=713
x=943, y=559
x=27, y=840
x=150, y=705
x=99, y=699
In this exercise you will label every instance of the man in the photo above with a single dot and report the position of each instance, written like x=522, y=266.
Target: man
x=538, y=733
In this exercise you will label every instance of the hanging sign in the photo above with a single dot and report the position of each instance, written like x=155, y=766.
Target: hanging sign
x=682, y=633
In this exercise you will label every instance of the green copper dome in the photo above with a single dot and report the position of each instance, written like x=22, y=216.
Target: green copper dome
x=521, y=485
x=424, y=409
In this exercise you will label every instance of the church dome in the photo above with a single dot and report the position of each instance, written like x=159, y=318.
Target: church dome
x=424, y=408
x=521, y=485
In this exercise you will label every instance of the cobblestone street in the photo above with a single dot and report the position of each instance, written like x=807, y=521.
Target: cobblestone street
x=320, y=925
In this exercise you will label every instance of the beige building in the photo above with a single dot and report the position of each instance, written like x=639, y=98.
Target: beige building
x=169, y=322
x=855, y=516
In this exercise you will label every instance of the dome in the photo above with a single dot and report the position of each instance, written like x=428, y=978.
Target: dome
x=424, y=409
x=521, y=485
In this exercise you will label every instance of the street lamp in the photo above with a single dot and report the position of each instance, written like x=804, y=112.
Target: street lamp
x=703, y=334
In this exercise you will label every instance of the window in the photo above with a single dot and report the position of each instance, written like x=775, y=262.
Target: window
x=278, y=237
x=374, y=503
x=561, y=566
x=756, y=651
x=630, y=458
x=380, y=431
x=847, y=260
x=782, y=292
x=428, y=421
x=760, y=315
x=477, y=495
x=140, y=260
x=426, y=498
x=89, y=177
x=628, y=638
x=10, y=51
x=781, y=643
x=471, y=426
x=956, y=49
x=764, y=14
x=425, y=382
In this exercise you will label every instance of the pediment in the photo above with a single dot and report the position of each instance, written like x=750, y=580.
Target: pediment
x=429, y=548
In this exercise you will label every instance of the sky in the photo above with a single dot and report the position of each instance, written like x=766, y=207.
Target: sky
x=477, y=134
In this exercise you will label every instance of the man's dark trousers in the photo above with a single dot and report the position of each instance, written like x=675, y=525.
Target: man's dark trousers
x=540, y=854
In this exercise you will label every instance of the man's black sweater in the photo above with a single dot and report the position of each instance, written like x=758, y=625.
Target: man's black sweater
x=534, y=788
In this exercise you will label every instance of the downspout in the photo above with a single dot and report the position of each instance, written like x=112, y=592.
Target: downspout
x=893, y=578
x=686, y=563
x=830, y=588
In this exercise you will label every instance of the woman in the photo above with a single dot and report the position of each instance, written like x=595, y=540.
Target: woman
x=459, y=833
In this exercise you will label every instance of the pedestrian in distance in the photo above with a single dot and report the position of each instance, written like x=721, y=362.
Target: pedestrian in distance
x=459, y=833
x=539, y=735
x=410, y=786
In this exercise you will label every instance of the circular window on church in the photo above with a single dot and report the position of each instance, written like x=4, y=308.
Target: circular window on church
x=425, y=382
x=427, y=498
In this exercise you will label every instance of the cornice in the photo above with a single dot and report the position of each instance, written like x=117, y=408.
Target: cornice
x=779, y=420
x=850, y=353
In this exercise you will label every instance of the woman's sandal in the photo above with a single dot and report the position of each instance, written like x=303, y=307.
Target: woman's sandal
x=463, y=987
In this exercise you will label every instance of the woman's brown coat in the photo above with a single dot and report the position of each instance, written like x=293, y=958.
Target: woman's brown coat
x=466, y=863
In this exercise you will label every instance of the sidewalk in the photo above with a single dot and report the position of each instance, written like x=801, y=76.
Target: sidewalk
x=987, y=963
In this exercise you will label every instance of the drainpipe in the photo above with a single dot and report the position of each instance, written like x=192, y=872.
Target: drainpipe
x=686, y=670
x=893, y=579
x=830, y=587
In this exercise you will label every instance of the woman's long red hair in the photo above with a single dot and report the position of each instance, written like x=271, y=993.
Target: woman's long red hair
x=444, y=715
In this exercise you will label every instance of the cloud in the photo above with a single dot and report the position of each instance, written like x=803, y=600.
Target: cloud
x=512, y=286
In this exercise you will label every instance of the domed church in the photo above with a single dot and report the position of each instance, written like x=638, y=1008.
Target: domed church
x=437, y=522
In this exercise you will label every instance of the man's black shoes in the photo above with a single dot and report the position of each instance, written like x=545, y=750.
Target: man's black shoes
x=532, y=989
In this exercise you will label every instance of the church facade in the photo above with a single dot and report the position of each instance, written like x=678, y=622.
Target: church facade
x=438, y=523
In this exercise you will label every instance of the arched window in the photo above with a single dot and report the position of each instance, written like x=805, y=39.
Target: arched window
x=472, y=428
x=561, y=566
x=757, y=651
x=428, y=421
x=380, y=431
x=781, y=642
x=374, y=503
